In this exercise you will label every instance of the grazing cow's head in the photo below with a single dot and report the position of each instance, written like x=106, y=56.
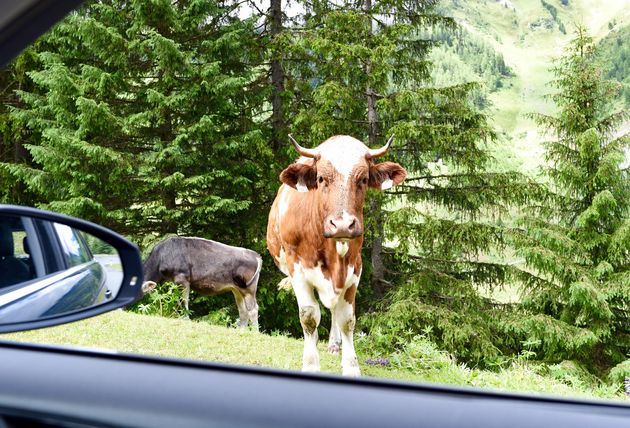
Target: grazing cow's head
x=340, y=170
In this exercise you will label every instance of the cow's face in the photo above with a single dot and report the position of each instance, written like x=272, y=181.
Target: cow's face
x=340, y=170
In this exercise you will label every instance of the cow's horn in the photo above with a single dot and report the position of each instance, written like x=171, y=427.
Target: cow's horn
x=375, y=153
x=309, y=153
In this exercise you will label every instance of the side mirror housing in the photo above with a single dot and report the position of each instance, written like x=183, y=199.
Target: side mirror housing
x=56, y=269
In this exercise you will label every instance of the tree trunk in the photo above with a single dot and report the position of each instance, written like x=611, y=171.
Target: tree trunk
x=371, y=96
x=378, y=272
x=277, y=79
x=378, y=267
x=169, y=196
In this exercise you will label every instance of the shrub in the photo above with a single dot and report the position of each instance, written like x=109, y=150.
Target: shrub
x=166, y=301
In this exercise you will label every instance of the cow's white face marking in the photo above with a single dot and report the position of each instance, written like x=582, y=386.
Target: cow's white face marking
x=344, y=153
x=345, y=215
x=342, y=248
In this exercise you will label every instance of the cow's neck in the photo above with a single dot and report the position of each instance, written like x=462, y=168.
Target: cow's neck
x=336, y=267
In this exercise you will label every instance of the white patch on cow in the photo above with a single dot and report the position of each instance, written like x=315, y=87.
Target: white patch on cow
x=344, y=316
x=282, y=262
x=305, y=282
x=325, y=290
x=351, y=278
x=342, y=248
x=387, y=184
x=283, y=203
x=285, y=283
x=301, y=187
x=345, y=215
x=306, y=301
x=334, y=339
x=345, y=319
x=344, y=153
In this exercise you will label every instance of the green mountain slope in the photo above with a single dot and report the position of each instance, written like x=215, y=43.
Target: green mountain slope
x=528, y=35
x=616, y=56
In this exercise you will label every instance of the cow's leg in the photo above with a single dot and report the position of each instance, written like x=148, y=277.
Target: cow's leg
x=309, y=318
x=344, y=315
x=242, y=309
x=181, y=279
x=334, y=340
x=252, y=309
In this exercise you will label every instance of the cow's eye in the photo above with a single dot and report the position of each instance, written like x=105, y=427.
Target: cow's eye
x=364, y=181
x=320, y=179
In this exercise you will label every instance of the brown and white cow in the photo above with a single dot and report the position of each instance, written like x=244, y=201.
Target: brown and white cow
x=315, y=234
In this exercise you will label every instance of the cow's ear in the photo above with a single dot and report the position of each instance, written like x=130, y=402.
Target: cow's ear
x=300, y=176
x=385, y=175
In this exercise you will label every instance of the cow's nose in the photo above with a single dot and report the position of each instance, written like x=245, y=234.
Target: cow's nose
x=342, y=227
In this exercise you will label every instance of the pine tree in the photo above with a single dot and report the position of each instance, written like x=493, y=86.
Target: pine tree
x=144, y=119
x=577, y=245
x=13, y=137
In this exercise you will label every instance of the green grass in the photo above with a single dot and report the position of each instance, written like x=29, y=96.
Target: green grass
x=419, y=361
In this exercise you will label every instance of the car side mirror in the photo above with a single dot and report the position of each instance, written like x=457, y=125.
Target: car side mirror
x=56, y=269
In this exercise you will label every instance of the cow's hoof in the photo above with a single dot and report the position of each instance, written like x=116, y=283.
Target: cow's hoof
x=350, y=367
x=310, y=368
x=333, y=349
x=351, y=372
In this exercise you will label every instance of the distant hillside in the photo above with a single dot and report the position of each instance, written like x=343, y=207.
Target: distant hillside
x=616, y=58
x=461, y=57
x=528, y=35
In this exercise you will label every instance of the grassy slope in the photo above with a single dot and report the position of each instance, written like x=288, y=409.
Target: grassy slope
x=132, y=333
x=530, y=52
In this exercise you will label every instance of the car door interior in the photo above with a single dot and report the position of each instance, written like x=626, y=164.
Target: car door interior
x=49, y=386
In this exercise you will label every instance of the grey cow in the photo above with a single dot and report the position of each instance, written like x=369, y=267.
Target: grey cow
x=209, y=268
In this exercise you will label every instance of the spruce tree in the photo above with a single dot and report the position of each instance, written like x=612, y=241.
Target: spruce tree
x=13, y=136
x=144, y=119
x=577, y=245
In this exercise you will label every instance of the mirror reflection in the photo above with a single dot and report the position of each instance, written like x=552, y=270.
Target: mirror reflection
x=49, y=269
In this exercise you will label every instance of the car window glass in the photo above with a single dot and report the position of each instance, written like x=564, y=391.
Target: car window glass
x=16, y=261
x=486, y=245
x=73, y=245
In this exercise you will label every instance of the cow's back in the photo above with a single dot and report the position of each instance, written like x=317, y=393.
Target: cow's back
x=205, y=263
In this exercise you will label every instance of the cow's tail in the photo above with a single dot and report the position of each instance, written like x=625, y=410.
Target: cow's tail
x=257, y=274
